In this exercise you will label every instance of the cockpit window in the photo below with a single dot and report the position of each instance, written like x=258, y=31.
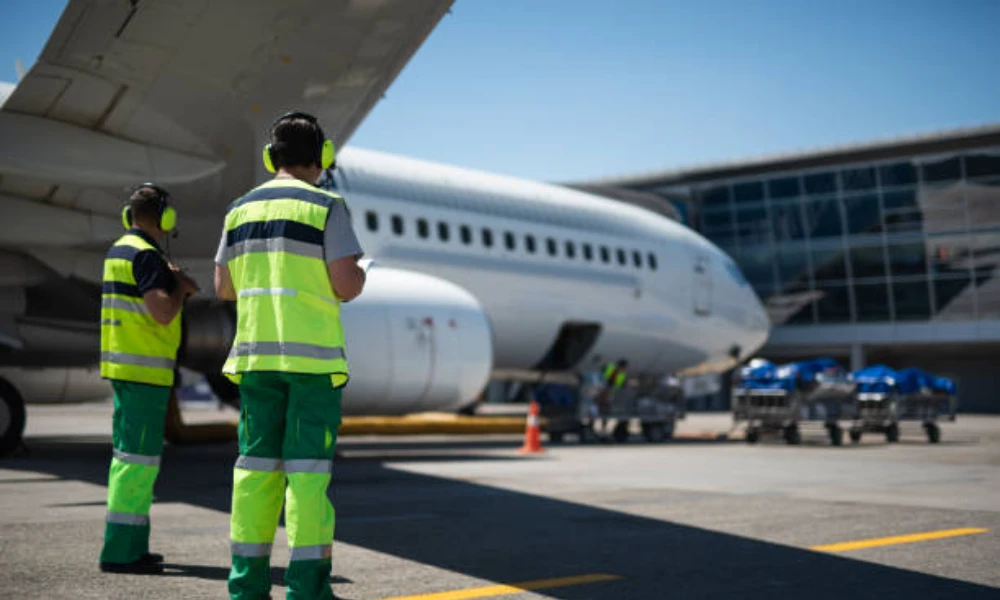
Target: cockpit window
x=735, y=273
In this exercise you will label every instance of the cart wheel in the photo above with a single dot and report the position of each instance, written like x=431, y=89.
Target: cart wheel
x=892, y=433
x=654, y=433
x=621, y=433
x=855, y=436
x=556, y=437
x=792, y=436
x=836, y=435
x=753, y=436
x=933, y=433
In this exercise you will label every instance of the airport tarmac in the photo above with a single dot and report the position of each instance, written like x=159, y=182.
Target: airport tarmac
x=449, y=518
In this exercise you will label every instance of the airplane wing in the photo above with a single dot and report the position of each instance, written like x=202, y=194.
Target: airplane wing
x=182, y=92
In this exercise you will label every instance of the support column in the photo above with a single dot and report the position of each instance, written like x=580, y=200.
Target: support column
x=857, y=357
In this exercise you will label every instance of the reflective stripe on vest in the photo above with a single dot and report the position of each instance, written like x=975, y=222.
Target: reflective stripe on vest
x=134, y=347
x=288, y=318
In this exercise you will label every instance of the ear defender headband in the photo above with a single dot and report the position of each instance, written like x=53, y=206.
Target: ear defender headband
x=168, y=214
x=326, y=153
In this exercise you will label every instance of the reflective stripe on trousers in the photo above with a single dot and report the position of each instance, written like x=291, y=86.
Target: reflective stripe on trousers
x=311, y=552
x=137, y=459
x=121, y=518
x=256, y=463
x=249, y=550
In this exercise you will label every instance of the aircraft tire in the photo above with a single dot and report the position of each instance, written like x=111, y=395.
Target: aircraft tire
x=933, y=433
x=836, y=435
x=855, y=436
x=621, y=433
x=892, y=433
x=792, y=435
x=12, y=418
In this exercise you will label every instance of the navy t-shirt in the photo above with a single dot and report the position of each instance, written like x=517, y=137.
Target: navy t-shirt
x=150, y=270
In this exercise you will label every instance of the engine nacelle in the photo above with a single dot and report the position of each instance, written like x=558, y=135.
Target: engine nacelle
x=415, y=343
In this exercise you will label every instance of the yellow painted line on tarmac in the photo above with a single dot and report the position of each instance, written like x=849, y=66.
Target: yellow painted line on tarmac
x=492, y=591
x=898, y=539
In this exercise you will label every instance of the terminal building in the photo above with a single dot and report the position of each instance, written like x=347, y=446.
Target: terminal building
x=878, y=253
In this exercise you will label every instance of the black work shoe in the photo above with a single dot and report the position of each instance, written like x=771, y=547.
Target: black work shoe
x=136, y=567
x=151, y=558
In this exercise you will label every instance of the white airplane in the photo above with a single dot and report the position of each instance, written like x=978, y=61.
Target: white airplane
x=478, y=276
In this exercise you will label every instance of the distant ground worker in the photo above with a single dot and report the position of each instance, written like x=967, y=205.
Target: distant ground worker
x=288, y=256
x=614, y=378
x=141, y=300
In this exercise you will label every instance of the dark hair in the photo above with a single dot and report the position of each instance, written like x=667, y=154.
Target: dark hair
x=296, y=141
x=147, y=203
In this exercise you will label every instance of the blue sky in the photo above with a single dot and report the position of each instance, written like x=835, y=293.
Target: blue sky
x=576, y=89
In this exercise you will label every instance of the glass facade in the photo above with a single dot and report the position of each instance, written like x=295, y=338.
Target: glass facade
x=898, y=240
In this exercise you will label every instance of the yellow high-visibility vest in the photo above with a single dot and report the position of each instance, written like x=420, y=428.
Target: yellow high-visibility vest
x=615, y=379
x=288, y=318
x=134, y=347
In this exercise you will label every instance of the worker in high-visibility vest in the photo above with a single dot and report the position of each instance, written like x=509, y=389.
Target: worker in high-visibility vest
x=614, y=377
x=141, y=300
x=288, y=257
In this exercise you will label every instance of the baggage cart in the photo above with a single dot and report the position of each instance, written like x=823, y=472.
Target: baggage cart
x=647, y=408
x=781, y=399
x=886, y=398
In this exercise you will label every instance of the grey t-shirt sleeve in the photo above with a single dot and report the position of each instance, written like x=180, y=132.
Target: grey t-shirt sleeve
x=220, y=254
x=339, y=239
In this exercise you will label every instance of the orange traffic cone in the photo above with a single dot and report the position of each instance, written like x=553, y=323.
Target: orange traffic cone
x=532, y=432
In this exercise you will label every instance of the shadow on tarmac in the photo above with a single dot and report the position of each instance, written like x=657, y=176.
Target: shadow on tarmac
x=505, y=536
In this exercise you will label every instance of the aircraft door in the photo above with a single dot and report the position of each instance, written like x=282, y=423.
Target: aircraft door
x=702, y=284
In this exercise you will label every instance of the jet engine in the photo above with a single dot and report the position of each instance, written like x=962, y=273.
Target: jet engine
x=415, y=343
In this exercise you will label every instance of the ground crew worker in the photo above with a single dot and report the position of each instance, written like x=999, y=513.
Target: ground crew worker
x=614, y=377
x=141, y=300
x=288, y=256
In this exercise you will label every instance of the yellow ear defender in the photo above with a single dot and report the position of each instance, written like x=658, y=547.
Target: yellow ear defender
x=168, y=214
x=327, y=151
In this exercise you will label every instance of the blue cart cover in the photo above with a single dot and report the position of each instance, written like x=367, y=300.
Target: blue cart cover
x=944, y=385
x=807, y=370
x=914, y=381
x=758, y=369
x=785, y=377
x=877, y=379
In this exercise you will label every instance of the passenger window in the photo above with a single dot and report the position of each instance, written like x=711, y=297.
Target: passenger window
x=605, y=254
x=588, y=252
x=637, y=259
x=508, y=239
x=397, y=224
x=529, y=243
x=621, y=256
x=570, y=249
x=466, y=234
x=444, y=232
x=651, y=258
x=551, y=243
x=487, y=237
x=423, y=229
x=372, y=219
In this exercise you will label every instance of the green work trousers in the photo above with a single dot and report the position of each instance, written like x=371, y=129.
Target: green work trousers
x=287, y=433
x=137, y=436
